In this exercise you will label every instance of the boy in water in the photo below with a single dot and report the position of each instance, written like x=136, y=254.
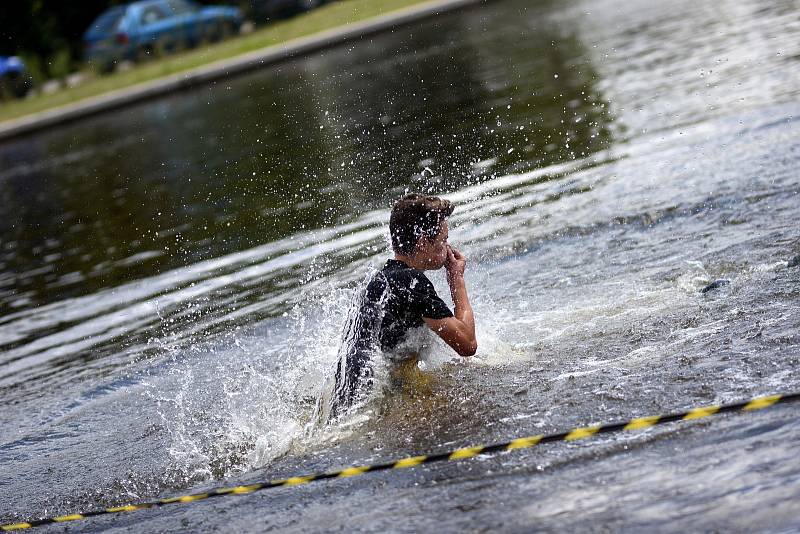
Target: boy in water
x=400, y=297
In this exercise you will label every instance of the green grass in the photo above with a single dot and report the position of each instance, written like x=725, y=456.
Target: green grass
x=326, y=17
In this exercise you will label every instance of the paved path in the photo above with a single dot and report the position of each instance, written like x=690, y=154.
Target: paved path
x=228, y=67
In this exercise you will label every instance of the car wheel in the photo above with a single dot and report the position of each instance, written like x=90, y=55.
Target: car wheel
x=223, y=30
x=163, y=46
x=145, y=53
x=22, y=86
x=4, y=89
x=13, y=86
x=180, y=44
x=227, y=29
x=205, y=37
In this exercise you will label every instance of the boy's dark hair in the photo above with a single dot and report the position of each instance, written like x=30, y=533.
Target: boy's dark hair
x=415, y=216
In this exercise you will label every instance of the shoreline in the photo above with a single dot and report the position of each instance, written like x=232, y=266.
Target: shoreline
x=29, y=124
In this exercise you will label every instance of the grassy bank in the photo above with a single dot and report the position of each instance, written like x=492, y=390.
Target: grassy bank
x=324, y=18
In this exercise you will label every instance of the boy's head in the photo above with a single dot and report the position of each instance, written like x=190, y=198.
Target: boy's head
x=418, y=227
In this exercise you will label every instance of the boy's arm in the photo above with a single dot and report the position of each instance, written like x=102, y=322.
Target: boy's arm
x=458, y=331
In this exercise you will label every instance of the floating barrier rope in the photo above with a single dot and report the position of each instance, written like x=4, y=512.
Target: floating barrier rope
x=413, y=461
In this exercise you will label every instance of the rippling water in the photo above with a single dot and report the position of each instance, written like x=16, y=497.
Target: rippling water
x=174, y=277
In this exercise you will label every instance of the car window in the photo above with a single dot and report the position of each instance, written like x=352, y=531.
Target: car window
x=179, y=6
x=108, y=21
x=152, y=14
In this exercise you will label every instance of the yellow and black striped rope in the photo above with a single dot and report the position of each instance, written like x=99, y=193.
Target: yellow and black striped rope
x=453, y=455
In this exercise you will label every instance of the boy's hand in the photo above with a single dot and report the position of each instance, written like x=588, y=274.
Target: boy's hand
x=456, y=263
x=457, y=331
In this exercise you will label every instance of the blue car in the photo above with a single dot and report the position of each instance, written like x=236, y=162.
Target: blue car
x=14, y=78
x=139, y=30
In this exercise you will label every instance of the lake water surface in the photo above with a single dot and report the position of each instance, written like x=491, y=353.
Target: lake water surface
x=174, y=279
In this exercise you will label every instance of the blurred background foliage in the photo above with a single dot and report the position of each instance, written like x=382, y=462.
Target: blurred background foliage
x=46, y=34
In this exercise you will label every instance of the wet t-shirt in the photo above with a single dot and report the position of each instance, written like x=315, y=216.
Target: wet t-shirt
x=395, y=301
x=400, y=297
